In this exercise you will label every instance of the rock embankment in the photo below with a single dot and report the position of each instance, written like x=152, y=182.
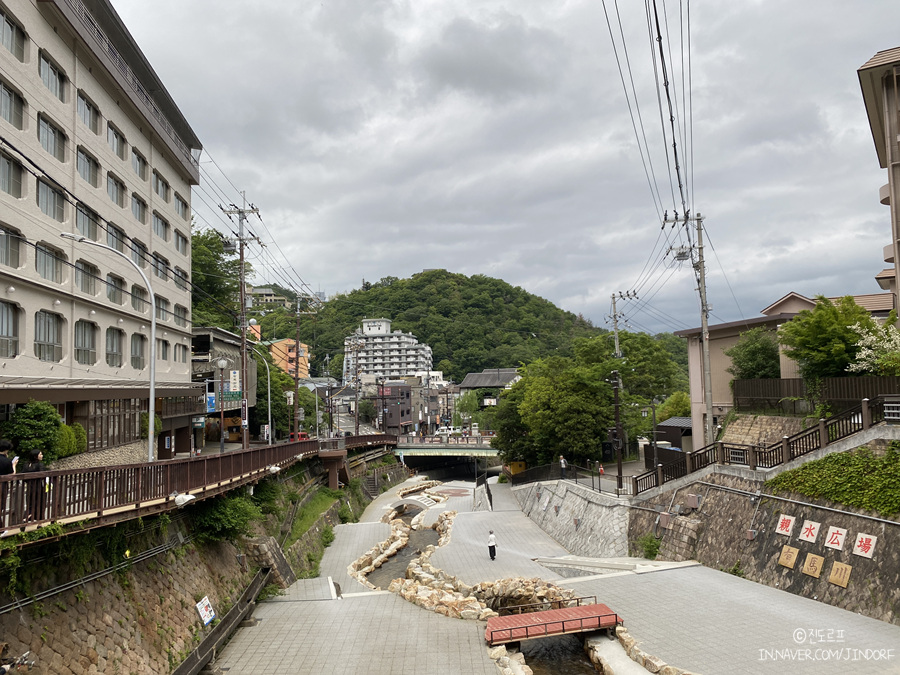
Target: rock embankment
x=377, y=555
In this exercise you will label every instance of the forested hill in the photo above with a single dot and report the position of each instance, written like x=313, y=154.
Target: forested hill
x=470, y=323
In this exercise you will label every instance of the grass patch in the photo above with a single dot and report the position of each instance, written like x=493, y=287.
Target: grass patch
x=857, y=478
x=309, y=513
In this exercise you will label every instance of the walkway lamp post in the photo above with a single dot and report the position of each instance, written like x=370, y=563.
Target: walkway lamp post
x=269, y=399
x=223, y=364
x=151, y=414
x=653, y=441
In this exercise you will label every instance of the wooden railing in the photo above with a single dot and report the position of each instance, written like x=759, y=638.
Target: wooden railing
x=802, y=443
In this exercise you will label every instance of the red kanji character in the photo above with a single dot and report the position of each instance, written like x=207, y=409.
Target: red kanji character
x=864, y=544
x=785, y=524
x=835, y=538
x=810, y=530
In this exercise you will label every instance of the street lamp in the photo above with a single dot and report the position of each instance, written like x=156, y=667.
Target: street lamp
x=223, y=364
x=151, y=414
x=269, y=399
x=655, y=453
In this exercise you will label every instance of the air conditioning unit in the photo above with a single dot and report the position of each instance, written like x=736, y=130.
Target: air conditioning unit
x=751, y=535
x=664, y=519
x=693, y=501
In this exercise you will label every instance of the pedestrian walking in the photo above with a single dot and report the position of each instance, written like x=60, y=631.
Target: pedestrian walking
x=492, y=544
x=562, y=467
x=7, y=465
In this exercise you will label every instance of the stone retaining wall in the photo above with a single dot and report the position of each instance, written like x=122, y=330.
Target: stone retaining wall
x=305, y=553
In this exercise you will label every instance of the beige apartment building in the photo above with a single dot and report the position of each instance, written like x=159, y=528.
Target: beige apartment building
x=92, y=146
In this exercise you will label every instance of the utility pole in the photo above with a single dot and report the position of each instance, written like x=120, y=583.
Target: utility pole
x=618, y=439
x=242, y=217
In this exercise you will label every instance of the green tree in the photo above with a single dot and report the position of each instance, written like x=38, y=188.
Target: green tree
x=878, y=349
x=215, y=280
x=367, y=412
x=677, y=405
x=823, y=341
x=34, y=427
x=755, y=355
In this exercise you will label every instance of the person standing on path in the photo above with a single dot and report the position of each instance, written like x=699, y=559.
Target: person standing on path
x=492, y=544
x=562, y=467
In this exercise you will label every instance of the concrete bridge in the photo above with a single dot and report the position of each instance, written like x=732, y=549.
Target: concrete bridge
x=445, y=446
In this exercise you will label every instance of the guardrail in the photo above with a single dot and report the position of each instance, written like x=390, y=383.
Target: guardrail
x=443, y=440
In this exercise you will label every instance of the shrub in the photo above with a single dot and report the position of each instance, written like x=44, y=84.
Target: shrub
x=649, y=546
x=34, y=427
x=224, y=518
x=503, y=478
x=345, y=514
x=80, y=438
x=67, y=444
x=327, y=535
x=157, y=427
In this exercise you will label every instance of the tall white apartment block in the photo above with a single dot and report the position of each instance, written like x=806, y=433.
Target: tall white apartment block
x=92, y=145
x=374, y=350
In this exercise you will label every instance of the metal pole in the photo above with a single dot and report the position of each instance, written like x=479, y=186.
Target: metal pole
x=704, y=332
x=296, y=424
x=221, y=411
x=151, y=414
x=269, y=390
x=618, y=432
x=655, y=452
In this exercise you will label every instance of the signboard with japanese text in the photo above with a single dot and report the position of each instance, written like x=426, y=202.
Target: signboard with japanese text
x=864, y=545
x=785, y=525
x=788, y=556
x=205, y=610
x=810, y=531
x=840, y=574
x=234, y=381
x=813, y=565
x=245, y=422
x=835, y=538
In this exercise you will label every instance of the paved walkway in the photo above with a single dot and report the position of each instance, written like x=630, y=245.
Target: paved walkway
x=693, y=617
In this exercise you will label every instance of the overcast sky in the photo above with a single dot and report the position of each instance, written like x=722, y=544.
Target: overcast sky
x=379, y=138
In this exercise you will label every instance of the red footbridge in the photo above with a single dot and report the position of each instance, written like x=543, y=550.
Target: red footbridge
x=563, y=621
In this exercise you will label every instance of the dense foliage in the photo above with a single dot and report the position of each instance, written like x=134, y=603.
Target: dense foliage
x=215, y=280
x=564, y=406
x=878, y=349
x=34, y=427
x=470, y=323
x=755, y=355
x=856, y=478
x=224, y=518
x=823, y=341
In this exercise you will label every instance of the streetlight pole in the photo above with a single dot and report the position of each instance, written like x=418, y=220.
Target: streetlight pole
x=269, y=389
x=151, y=414
x=222, y=363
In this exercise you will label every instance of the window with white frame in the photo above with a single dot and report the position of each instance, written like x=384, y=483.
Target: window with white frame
x=181, y=207
x=12, y=106
x=181, y=352
x=181, y=278
x=181, y=243
x=52, y=139
x=139, y=299
x=86, y=222
x=10, y=176
x=88, y=168
x=49, y=263
x=160, y=227
x=138, y=208
x=181, y=315
x=85, y=343
x=12, y=36
x=9, y=330
x=9, y=247
x=52, y=77
x=162, y=309
x=48, y=336
x=115, y=189
x=139, y=164
x=115, y=340
x=162, y=350
x=86, y=276
x=160, y=186
x=138, y=253
x=115, y=238
x=160, y=266
x=50, y=201
x=116, y=141
x=88, y=113
x=115, y=289
x=138, y=351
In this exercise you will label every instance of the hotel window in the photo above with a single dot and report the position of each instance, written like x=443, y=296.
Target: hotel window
x=116, y=141
x=162, y=350
x=181, y=207
x=160, y=227
x=162, y=309
x=85, y=343
x=115, y=189
x=48, y=336
x=138, y=349
x=50, y=200
x=12, y=106
x=86, y=276
x=181, y=353
x=160, y=186
x=53, y=140
x=181, y=243
x=86, y=222
x=9, y=247
x=88, y=167
x=12, y=35
x=9, y=330
x=160, y=266
x=88, y=113
x=138, y=253
x=139, y=164
x=10, y=176
x=139, y=299
x=115, y=288
x=52, y=77
x=181, y=315
x=115, y=238
x=114, y=341
x=139, y=208
x=180, y=277
x=49, y=263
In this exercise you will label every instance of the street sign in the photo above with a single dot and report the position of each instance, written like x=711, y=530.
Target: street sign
x=301, y=414
x=235, y=380
x=244, y=420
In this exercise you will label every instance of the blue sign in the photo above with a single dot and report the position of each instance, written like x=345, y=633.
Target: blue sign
x=210, y=403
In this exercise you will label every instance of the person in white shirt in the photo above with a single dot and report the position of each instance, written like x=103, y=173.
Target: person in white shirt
x=492, y=544
x=562, y=466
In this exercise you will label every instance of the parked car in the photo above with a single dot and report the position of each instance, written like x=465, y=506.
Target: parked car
x=301, y=436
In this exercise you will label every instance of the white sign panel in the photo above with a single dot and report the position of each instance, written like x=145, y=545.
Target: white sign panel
x=810, y=531
x=835, y=538
x=785, y=525
x=864, y=545
x=205, y=610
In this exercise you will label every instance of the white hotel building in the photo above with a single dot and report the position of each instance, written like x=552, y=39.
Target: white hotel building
x=92, y=145
x=382, y=353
